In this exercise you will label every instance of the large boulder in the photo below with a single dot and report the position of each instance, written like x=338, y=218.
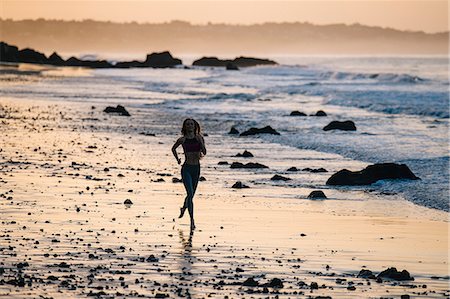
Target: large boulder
x=265, y=130
x=392, y=273
x=347, y=125
x=371, y=174
x=161, y=60
x=31, y=56
x=8, y=53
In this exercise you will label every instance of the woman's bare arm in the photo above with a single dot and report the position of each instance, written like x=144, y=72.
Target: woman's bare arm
x=174, y=148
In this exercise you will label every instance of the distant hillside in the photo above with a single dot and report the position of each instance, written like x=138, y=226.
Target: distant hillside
x=217, y=39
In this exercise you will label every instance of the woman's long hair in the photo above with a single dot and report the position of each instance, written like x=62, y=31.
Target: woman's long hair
x=197, y=129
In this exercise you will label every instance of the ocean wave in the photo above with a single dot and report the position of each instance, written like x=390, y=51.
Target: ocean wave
x=381, y=77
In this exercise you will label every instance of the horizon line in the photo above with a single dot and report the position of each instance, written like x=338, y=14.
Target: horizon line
x=209, y=23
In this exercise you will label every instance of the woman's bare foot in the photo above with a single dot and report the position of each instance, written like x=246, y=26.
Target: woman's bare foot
x=182, y=210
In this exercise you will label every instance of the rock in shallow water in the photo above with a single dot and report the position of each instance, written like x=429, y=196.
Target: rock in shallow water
x=317, y=194
x=347, y=125
x=371, y=174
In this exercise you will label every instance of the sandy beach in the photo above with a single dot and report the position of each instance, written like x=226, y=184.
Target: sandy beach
x=66, y=169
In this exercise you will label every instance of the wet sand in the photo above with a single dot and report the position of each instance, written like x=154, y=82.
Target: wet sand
x=66, y=170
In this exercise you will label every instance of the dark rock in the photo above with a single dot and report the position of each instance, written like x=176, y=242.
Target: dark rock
x=147, y=134
x=265, y=130
x=231, y=67
x=210, y=61
x=152, y=259
x=405, y=296
x=233, y=131
x=119, y=110
x=347, y=125
x=274, y=283
x=250, y=61
x=222, y=163
x=314, y=170
x=238, y=62
x=128, y=202
x=351, y=288
x=366, y=274
x=371, y=174
x=248, y=165
x=245, y=154
x=161, y=295
x=73, y=61
x=161, y=60
x=279, y=178
x=176, y=180
x=314, y=286
x=316, y=194
x=297, y=113
x=55, y=59
x=8, y=53
x=239, y=185
x=201, y=179
x=320, y=113
x=31, y=56
x=250, y=282
x=392, y=273
x=293, y=169
x=22, y=265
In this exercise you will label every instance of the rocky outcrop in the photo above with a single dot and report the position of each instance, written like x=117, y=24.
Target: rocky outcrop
x=31, y=56
x=8, y=53
x=73, y=61
x=371, y=174
x=347, y=125
x=161, y=60
x=255, y=131
x=237, y=62
x=55, y=59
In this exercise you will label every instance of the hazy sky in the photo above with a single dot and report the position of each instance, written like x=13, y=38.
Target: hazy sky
x=426, y=15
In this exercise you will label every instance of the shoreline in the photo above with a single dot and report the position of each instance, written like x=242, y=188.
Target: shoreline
x=100, y=240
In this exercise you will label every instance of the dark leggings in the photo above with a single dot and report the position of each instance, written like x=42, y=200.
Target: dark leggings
x=190, y=175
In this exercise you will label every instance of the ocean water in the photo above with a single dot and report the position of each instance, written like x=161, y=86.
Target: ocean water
x=400, y=106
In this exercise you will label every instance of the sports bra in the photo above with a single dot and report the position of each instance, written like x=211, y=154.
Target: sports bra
x=191, y=145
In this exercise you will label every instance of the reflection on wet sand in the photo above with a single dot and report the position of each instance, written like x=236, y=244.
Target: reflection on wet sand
x=186, y=261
